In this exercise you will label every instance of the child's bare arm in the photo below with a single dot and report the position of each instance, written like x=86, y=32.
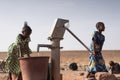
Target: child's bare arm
x=27, y=47
x=20, y=51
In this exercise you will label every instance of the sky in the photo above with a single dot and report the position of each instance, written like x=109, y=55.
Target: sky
x=40, y=15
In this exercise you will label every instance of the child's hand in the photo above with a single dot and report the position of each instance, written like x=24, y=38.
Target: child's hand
x=93, y=53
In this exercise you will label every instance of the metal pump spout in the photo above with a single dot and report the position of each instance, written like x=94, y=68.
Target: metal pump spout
x=43, y=45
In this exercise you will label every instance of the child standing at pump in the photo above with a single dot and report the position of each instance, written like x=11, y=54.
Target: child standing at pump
x=17, y=50
x=97, y=63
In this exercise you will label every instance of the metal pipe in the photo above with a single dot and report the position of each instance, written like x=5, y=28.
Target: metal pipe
x=77, y=39
x=43, y=45
x=55, y=59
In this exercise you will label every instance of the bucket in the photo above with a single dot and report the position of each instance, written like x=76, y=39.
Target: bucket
x=34, y=68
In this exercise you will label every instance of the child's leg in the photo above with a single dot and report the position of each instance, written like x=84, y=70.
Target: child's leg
x=14, y=76
x=90, y=76
x=87, y=75
x=20, y=76
x=10, y=76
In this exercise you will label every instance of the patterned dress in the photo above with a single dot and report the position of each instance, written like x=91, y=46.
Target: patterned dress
x=12, y=62
x=97, y=64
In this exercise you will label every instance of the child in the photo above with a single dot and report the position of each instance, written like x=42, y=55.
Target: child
x=97, y=63
x=114, y=67
x=17, y=50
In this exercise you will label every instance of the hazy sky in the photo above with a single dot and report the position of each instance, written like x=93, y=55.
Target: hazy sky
x=40, y=15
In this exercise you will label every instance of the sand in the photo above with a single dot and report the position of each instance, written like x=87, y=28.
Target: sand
x=80, y=57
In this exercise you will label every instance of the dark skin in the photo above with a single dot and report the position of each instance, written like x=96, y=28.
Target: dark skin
x=25, y=34
x=100, y=29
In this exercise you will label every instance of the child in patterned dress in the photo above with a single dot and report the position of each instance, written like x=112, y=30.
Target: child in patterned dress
x=114, y=67
x=96, y=61
x=17, y=50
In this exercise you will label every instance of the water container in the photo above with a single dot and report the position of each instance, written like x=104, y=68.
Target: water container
x=34, y=68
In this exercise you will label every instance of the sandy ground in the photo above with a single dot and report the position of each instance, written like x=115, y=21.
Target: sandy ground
x=67, y=57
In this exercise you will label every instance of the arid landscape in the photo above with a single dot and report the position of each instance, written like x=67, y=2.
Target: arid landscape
x=80, y=57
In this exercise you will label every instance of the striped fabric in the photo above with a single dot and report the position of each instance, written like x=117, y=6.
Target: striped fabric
x=12, y=62
x=97, y=63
